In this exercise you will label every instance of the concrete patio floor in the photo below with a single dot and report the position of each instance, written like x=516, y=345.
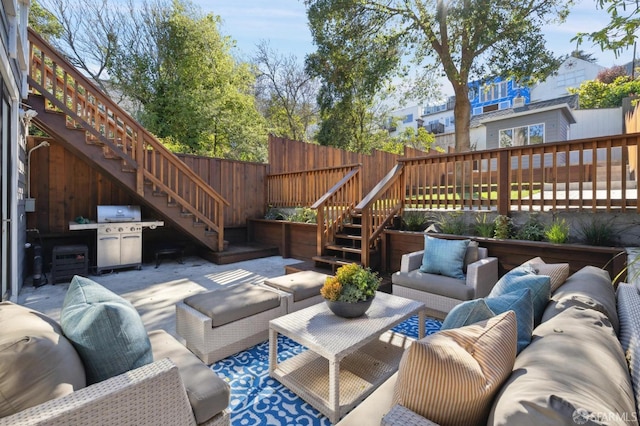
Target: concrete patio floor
x=154, y=292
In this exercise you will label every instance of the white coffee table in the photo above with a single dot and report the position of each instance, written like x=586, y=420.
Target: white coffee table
x=347, y=358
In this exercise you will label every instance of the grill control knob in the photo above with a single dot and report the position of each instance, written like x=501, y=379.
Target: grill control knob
x=133, y=229
x=120, y=229
x=107, y=230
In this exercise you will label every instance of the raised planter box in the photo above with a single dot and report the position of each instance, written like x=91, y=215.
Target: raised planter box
x=293, y=239
x=511, y=253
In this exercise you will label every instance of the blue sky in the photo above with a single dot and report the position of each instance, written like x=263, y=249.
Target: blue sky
x=284, y=24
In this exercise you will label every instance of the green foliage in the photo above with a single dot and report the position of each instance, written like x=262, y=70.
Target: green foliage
x=415, y=220
x=620, y=32
x=595, y=94
x=44, y=22
x=275, y=214
x=531, y=230
x=557, y=232
x=452, y=223
x=361, y=44
x=598, y=231
x=503, y=227
x=178, y=67
x=484, y=227
x=304, y=215
x=418, y=139
x=351, y=283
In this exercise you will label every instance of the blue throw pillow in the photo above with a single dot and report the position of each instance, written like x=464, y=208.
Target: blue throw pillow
x=524, y=276
x=105, y=330
x=467, y=313
x=521, y=303
x=444, y=257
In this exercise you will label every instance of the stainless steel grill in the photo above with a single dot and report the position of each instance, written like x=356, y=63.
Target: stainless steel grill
x=119, y=240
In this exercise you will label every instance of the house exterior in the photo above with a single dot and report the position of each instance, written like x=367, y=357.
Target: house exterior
x=571, y=73
x=13, y=89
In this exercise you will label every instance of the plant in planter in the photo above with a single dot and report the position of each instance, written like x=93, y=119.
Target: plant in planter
x=557, y=232
x=484, y=227
x=350, y=292
x=503, y=227
x=414, y=221
x=531, y=230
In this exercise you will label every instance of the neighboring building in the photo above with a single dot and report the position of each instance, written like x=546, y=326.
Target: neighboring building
x=13, y=88
x=571, y=73
x=495, y=95
x=404, y=118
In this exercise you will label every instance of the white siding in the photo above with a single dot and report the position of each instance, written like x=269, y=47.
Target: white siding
x=591, y=123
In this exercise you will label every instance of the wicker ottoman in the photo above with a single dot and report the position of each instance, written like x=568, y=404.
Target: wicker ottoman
x=302, y=288
x=219, y=323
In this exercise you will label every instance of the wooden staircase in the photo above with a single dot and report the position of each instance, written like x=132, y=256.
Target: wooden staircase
x=74, y=111
x=346, y=247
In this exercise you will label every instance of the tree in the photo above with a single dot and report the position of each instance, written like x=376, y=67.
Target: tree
x=351, y=75
x=608, y=75
x=581, y=54
x=465, y=38
x=44, y=22
x=620, y=32
x=285, y=93
x=596, y=94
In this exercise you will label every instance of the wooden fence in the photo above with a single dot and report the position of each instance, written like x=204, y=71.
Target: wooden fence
x=66, y=187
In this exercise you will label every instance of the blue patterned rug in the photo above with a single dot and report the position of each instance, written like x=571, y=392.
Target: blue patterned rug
x=257, y=399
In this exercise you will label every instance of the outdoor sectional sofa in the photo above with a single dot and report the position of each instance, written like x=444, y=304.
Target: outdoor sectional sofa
x=44, y=379
x=576, y=370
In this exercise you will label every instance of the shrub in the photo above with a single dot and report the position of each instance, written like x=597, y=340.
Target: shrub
x=304, y=215
x=274, y=214
x=598, y=232
x=452, y=223
x=503, y=225
x=531, y=230
x=352, y=283
x=414, y=220
x=557, y=232
x=484, y=227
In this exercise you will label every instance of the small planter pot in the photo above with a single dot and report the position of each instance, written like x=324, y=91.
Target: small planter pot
x=349, y=310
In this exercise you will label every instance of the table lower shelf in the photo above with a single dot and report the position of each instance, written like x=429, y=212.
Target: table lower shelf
x=361, y=372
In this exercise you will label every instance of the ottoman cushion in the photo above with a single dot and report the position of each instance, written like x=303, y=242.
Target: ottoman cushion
x=230, y=304
x=302, y=285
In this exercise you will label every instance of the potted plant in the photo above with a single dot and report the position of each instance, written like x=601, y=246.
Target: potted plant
x=350, y=292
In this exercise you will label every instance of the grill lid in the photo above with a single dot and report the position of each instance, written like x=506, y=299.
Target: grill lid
x=119, y=214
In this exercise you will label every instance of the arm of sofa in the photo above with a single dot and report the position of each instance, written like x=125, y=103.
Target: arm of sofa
x=482, y=275
x=149, y=395
x=401, y=416
x=411, y=261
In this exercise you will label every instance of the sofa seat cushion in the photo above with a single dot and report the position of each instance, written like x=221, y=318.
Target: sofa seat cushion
x=230, y=304
x=432, y=283
x=589, y=287
x=574, y=360
x=302, y=285
x=37, y=363
x=444, y=257
x=208, y=394
x=451, y=377
x=105, y=329
x=629, y=316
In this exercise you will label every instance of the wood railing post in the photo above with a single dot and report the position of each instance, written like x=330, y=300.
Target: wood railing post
x=321, y=227
x=141, y=164
x=504, y=184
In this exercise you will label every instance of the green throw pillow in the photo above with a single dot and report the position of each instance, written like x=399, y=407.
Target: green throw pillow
x=105, y=329
x=444, y=257
x=520, y=302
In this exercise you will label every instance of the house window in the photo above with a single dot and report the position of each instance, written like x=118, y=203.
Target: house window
x=494, y=91
x=571, y=78
x=519, y=136
x=408, y=118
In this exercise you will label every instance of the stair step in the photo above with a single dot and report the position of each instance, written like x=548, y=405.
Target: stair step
x=349, y=237
x=333, y=260
x=338, y=247
x=186, y=214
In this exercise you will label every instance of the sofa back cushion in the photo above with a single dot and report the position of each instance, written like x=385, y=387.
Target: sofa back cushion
x=37, y=363
x=574, y=366
x=444, y=257
x=590, y=288
x=629, y=316
x=105, y=329
x=451, y=377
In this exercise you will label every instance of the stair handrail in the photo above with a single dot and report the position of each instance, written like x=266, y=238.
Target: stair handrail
x=144, y=148
x=335, y=206
x=388, y=199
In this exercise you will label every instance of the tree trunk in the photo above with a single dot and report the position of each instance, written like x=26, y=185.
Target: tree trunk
x=462, y=114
